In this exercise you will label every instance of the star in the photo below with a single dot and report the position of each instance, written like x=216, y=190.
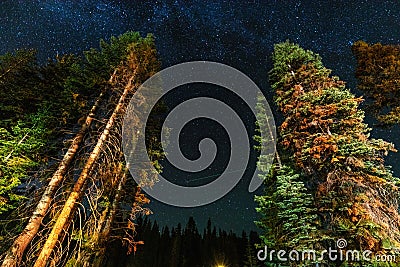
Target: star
x=238, y=33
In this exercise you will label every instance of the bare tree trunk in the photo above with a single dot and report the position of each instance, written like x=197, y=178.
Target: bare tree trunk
x=16, y=251
x=98, y=236
x=11, y=68
x=277, y=157
x=76, y=193
x=105, y=229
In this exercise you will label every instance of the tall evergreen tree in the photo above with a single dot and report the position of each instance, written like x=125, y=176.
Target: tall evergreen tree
x=176, y=247
x=323, y=133
x=62, y=87
x=191, y=244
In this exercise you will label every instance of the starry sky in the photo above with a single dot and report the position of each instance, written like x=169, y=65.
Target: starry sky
x=238, y=33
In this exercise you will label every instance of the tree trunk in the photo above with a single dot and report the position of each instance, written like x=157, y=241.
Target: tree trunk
x=105, y=230
x=16, y=251
x=76, y=193
x=277, y=157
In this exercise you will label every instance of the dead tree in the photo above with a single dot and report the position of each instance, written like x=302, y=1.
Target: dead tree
x=16, y=251
x=76, y=193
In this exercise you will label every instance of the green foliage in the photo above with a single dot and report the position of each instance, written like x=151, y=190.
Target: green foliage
x=250, y=257
x=288, y=215
x=328, y=145
x=263, y=128
x=26, y=87
x=63, y=85
x=19, y=73
x=100, y=64
x=19, y=153
x=288, y=57
x=37, y=101
x=63, y=90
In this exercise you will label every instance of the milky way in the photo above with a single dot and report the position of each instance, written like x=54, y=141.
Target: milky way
x=237, y=33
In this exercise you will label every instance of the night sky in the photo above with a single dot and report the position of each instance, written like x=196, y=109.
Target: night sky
x=238, y=33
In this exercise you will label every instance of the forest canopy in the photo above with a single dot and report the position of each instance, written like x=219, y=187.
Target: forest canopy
x=61, y=154
x=67, y=197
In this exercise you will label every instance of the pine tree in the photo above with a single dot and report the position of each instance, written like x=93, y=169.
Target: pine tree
x=286, y=208
x=19, y=153
x=288, y=216
x=251, y=259
x=323, y=133
x=176, y=249
x=191, y=244
x=163, y=256
x=335, y=162
x=74, y=80
x=19, y=75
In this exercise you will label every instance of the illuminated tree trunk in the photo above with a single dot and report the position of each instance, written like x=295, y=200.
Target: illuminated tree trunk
x=76, y=193
x=16, y=251
x=105, y=225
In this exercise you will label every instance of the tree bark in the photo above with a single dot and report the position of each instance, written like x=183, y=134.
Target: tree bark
x=277, y=157
x=105, y=230
x=16, y=251
x=76, y=193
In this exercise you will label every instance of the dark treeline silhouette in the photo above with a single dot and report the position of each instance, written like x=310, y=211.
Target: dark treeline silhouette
x=183, y=246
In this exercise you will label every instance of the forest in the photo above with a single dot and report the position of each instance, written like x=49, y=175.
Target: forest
x=68, y=199
x=186, y=246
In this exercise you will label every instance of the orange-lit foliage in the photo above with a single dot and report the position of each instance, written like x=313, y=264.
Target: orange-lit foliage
x=128, y=239
x=313, y=123
x=378, y=73
x=323, y=130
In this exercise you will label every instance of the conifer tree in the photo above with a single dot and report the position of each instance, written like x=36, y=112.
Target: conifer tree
x=287, y=215
x=250, y=257
x=288, y=218
x=19, y=153
x=75, y=80
x=176, y=247
x=19, y=74
x=326, y=140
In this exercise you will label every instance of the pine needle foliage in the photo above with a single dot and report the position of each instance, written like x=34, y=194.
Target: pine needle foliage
x=378, y=74
x=353, y=194
x=287, y=208
x=19, y=153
